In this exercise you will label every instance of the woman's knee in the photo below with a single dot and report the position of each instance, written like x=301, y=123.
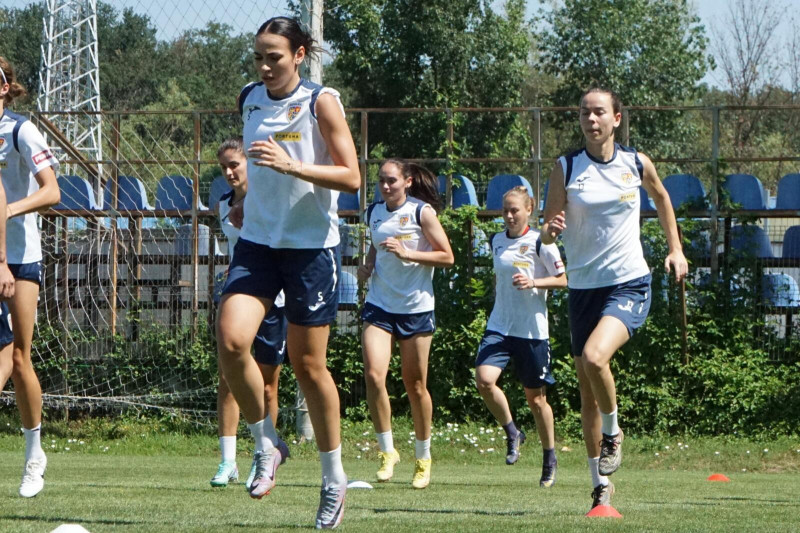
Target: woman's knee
x=415, y=387
x=595, y=360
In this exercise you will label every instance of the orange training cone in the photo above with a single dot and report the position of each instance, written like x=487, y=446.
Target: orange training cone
x=718, y=477
x=603, y=511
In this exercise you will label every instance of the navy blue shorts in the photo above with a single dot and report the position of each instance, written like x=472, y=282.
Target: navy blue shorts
x=270, y=341
x=629, y=302
x=531, y=357
x=402, y=326
x=6, y=335
x=27, y=271
x=308, y=277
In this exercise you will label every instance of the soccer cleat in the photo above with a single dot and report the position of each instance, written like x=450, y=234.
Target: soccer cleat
x=388, y=460
x=422, y=473
x=264, y=478
x=512, y=447
x=548, y=478
x=226, y=473
x=601, y=495
x=33, y=477
x=610, y=454
x=284, y=449
x=331, y=505
x=251, y=476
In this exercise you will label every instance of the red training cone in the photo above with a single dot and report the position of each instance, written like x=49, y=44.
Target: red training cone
x=718, y=477
x=603, y=511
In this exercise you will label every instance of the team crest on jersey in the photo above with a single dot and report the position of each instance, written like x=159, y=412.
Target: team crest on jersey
x=523, y=248
x=627, y=178
x=293, y=111
x=403, y=220
x=2, y=142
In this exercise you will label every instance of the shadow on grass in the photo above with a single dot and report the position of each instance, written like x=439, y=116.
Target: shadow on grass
x=381, y=510
x=74, y=520
x=787, y=503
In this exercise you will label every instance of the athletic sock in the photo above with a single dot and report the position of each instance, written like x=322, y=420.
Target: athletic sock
x=227, y=446
x=597, y=479
x=610, y=426
x=548, y=456
x=422, y=448
x=33, y=443
x=385, y=441
x=511, y=430
x=332, y=470
x=262, y=432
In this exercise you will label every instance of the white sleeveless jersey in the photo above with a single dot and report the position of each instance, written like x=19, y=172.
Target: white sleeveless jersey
x=522, y=313
x=23, y=154
x=398, y=286
x=601, y=240
x=232, y=233
x=284, y=211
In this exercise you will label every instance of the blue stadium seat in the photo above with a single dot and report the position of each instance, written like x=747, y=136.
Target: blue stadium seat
x=348, y=288
x=747, y=190
x=780, y=290
x=349, y=201
x=131, y=194
x=645, y=204
x=463, y=190
x=751, y=239
x=175, y=192
x=791, y=243
x=788, y=192
x=219, y=187
x=501, y=184
x=183, y=240
x=684, y=189
x=76, y=193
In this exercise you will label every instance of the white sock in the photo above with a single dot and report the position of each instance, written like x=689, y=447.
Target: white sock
x=263, y=433
x=597, y=479
x=422, y=448
x=610, y=426
x=385, y=441
x=332, y=470
x=227, y=446
x=33, y=443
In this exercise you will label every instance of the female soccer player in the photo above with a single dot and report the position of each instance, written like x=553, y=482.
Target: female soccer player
x=517, y=328
x=29, y=184
x=407, y=243
x=270, y=341
x=594, y=200
x=300, y=153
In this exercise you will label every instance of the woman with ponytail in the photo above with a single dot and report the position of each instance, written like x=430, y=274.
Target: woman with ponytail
x=407, y=243
x=29, y=184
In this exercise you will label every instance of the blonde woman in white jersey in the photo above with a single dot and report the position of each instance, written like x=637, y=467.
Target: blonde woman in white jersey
x=29, y=184
x=407, y=243
x=593, y=201
x=270, y=342
x=517, y=328
x=300, y=154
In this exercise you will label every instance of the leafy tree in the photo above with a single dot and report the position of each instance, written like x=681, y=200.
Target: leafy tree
x=651, y=52
x=414, y=53
x=20, y=43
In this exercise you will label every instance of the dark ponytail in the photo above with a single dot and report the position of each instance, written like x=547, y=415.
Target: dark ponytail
x=424, y=184
x=15, y=90
x=293, y=31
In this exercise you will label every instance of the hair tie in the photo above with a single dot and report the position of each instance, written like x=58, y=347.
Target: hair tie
x=5, y=80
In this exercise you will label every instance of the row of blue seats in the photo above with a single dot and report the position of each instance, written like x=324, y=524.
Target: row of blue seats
x=173, y=192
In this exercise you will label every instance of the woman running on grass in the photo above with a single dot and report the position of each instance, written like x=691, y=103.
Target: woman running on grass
x=407, y=243
x=300, y=154
x=517, y=329
x=593, y=200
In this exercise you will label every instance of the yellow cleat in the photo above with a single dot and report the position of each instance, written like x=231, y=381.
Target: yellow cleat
x=422, y=473
x=388, y=460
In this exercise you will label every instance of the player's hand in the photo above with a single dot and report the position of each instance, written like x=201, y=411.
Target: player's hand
x=236, y=214
x=521, y=281
x=7, y=283
x=556, y=225
x=676, y=262
x=393, y=246
x=364, y=272
x=270, y=154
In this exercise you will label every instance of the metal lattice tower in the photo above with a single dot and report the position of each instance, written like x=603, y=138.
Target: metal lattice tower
x=69, y=77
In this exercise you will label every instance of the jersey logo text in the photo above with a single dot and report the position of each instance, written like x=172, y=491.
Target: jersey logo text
x=627, y=197
x=44, y=155
x=288, y=136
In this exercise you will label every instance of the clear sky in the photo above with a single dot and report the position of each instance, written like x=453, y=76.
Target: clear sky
x=172, y=17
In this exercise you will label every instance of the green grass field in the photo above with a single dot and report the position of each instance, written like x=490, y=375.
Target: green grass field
x=158, y=481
